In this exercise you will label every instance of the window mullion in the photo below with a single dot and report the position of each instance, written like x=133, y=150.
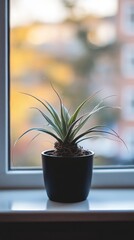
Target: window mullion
x=3, y=13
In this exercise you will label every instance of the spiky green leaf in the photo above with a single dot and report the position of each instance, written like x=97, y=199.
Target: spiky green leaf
x=96, y=129
x=74, y=116
x=54, y=114
x=50, y=122
x=42, y=130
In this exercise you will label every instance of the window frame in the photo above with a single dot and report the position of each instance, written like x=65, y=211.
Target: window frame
x=102, y=177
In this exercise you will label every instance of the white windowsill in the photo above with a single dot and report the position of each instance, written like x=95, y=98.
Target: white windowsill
x=33, y=205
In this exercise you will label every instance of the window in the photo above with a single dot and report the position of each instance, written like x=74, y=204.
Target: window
x=129, y=137
x=127, y=21
x=127, y=59
x=75, y=40
x=128, y=103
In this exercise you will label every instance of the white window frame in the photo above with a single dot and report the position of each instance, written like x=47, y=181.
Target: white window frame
x=34, y=178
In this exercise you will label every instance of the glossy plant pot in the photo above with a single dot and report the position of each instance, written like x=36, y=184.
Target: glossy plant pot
x=67, y=179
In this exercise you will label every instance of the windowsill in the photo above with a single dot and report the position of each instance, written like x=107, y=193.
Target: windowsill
x=33, y=205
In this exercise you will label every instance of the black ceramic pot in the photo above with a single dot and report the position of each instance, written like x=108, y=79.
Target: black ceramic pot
x=67, y=179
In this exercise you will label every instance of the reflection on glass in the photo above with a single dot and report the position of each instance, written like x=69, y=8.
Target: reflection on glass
x=55, y=206
x=28, y=206
x=48, y=205
x=79, y=46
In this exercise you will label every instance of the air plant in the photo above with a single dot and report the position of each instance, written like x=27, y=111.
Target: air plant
x=68, y=130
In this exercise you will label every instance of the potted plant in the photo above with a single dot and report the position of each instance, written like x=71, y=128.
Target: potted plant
x=67, y=169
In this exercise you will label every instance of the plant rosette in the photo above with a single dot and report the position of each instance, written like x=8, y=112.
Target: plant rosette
x=67, y=169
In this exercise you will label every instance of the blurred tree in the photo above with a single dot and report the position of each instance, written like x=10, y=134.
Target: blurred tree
x=83, y=66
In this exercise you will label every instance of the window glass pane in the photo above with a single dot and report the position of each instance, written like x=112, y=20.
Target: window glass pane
x=78, y=46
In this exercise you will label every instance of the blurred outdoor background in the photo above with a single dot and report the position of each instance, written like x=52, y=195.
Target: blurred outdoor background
x=82, y=46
